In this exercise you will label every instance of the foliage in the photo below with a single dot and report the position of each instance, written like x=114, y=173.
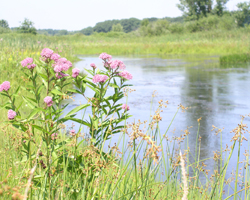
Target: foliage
x=27, y=26
x=87, y=31
x=242, y=15
x=4, y=24
x=117, y=28
x=194, y=9
x=235, y=58
x=220, y=7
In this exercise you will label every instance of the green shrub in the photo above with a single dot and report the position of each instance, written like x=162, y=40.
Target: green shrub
x=176, y=28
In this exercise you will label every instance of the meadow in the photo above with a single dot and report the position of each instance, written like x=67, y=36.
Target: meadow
x=72, y=165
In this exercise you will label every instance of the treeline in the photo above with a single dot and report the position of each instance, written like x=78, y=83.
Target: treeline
x=198, y=15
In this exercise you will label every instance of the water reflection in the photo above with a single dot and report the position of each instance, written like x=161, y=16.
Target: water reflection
x=218, y=94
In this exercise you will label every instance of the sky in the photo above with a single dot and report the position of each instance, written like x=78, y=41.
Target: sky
x=78, y=14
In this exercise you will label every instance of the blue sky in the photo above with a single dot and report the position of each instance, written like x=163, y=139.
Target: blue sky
x=79, y=14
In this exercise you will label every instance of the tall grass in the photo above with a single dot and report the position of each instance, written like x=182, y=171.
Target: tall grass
x=123, y=173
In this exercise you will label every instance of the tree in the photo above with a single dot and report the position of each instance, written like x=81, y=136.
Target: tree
x=27, y=26
x=4, y=24
x=144, y=22
x=220, y=7
x=117, y=28
x=87, y=31
x=62, y=32
x=194, y=9
x=242, y=15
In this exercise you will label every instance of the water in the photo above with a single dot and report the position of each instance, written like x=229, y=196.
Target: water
x=218, y=94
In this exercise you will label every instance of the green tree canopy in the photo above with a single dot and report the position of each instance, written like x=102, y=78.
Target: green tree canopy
x=242, y=15
x=4, y=24
x=87, y=31
x=27, y=26
x=194, y=9
x=117, y=28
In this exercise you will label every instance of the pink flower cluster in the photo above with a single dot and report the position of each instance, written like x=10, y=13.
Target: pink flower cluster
x=125, y=107
x=5, y=86
x=48, y=101
x=75, y=72
x=54, y=136
x=62, y=64
x=46, y=54
x=28, y=62
x=105, y=56
x=99, y=78
x=93, y=65
x=115, y=64
x=61, y=75
x=125, y=75
x=11, y=114
x=55, y=57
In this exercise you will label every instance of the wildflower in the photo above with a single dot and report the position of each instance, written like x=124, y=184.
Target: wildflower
x=125, y=107
x=48, y=101
x=99, y=78
x=5, y=86
x=11, y=114
x=75, y=72
x=93, y=65
x=55, y=57
x=126, y=75
x=62, y=64
x=26, y=61
x=46, y=54
x=61, y=75
x=72, y=131
x=54, y=136
x=105, y=57
x=115, y=64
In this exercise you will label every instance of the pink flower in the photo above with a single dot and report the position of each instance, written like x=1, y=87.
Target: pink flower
x=46, y=54
x=5, y=86
x=125, y=107
x=26, y=61
x=99, y=78
x=126, y=75
x=32, y=66
x=93, y=65
x=62, y=64
x=54, y=136
x=115, y=64
x=105, y=56
x=48, y=101
x=75, y=72
x=58, y=68
x=55, y=57
x=11, y=114
x=72, y=131
x=61, y=75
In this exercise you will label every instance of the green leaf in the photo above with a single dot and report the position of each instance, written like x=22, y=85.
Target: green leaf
x=57, y=92
x=113, y=85
x=29, y=102
x=77, y=109
x=74, y=91
x=75, y=120
x=34, y=112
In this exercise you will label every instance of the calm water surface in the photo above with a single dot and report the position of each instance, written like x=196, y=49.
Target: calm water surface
x=216, y=93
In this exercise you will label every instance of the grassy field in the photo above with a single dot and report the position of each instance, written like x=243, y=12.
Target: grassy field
x=162, y=173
